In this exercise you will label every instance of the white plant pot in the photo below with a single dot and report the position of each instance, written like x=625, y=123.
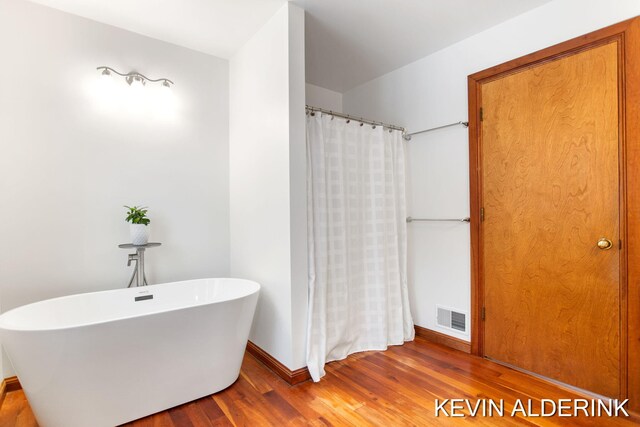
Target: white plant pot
x=139, y=234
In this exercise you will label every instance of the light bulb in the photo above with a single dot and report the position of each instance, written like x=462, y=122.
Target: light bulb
x=136, y=81
x=163, y=100
x=104, y=89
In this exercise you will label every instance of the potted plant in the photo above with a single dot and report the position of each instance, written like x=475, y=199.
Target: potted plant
x=138, y=224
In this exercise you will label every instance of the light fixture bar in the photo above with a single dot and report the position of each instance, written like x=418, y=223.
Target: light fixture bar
x=135, y=76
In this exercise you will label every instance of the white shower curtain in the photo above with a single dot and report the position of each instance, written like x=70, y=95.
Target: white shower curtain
x=358, y=298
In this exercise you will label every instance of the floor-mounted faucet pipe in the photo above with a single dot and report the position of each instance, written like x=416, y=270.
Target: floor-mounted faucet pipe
x=138, y=275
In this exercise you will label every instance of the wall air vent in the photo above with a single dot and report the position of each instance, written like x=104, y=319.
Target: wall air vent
x=451, y=319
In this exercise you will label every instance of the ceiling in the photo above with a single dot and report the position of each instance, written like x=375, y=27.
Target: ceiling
x=216, y=27
x=348, y=42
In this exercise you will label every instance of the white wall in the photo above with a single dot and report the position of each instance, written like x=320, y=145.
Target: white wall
x=323, y=98
x=432, y=92
x=267, y=175
x=72, y=155
x=298, y=188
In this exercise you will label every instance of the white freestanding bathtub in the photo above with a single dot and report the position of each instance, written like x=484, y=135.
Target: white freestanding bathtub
x=106, y=358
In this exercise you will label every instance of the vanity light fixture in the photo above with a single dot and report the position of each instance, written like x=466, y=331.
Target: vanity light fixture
x=134, y=78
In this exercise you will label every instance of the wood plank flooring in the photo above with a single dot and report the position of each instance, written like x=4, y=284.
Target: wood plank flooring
x=397, y=387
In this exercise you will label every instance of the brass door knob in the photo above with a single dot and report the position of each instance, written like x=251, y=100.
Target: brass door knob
x=604, y=244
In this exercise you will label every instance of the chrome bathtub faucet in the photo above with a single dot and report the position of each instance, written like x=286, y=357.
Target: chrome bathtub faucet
x=138, y=275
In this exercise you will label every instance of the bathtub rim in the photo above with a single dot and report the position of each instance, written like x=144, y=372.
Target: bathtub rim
x=12, y=329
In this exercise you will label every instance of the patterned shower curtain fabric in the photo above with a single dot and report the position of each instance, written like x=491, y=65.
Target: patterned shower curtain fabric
x=358, y=296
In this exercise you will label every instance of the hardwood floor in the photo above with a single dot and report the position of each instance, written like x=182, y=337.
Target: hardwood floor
x=392, y=388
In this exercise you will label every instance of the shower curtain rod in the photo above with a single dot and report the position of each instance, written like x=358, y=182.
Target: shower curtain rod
x=354, y=118
x=411, y=219
x=405, y=135
x=408, y=136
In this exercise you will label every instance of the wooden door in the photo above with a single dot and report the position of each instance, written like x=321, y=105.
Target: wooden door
x=550, y=192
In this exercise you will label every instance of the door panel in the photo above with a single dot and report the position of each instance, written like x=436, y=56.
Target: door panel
x=550, y=191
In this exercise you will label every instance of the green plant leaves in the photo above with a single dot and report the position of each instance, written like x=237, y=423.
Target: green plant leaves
x=137, y=215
